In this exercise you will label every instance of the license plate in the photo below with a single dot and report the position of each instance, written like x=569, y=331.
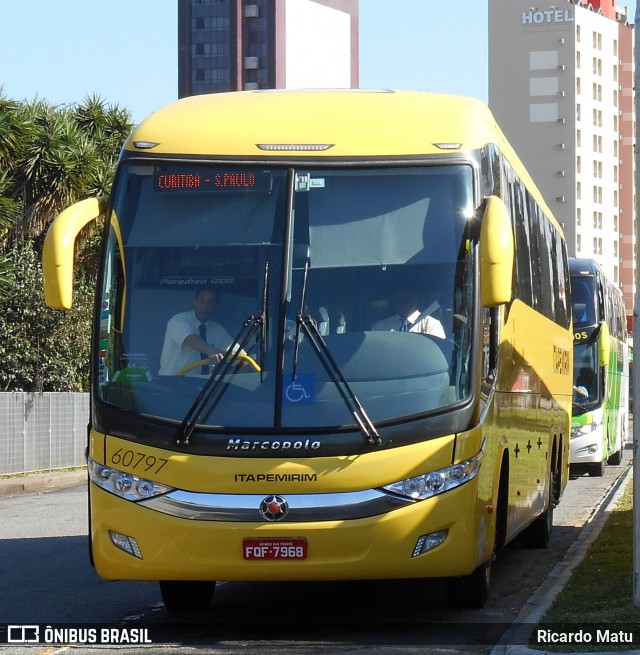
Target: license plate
x=274, y=548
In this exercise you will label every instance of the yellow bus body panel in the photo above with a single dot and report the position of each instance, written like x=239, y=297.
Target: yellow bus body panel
x=369, y=548
x=353, y=123
x=374, y=547
x=228, y=475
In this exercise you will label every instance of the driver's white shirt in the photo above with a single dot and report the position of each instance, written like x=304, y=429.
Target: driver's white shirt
x=176, y=354
x=426, y=325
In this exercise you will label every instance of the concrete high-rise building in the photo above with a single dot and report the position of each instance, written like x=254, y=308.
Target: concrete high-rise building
x=561, y=80
x=235, y=45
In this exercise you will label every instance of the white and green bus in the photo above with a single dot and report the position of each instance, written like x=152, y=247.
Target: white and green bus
x=601, y=369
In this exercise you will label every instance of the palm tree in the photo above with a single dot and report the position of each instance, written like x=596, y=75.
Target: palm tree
x=50, y=157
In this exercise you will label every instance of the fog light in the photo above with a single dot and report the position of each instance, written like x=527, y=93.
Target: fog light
x=128, y=544
x=429, y=541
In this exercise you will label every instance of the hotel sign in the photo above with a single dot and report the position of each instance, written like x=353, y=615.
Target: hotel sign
x=540, y=16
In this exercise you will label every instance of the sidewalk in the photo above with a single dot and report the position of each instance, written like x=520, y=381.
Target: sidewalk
x=34, y=482
x=543, y=597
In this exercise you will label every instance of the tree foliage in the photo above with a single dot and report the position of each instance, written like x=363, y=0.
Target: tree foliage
x=50, y=157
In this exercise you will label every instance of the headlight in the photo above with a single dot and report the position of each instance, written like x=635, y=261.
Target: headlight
x=437, y=482
x=583, y=430
x=124, y=484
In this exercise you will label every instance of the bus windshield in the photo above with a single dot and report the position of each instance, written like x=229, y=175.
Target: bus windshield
x=585, y=373
x=326, y=286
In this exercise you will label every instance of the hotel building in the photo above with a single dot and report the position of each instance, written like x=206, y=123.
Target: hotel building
x=561, y=80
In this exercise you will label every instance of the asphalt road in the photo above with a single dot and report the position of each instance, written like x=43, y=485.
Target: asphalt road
x=46, y=579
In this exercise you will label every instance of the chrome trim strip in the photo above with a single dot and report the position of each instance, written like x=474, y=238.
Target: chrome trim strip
x=302, y=507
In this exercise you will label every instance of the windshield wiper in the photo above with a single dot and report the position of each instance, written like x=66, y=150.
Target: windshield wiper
x=364, y=423
x=582, y=408
x=308, y=325
x=212, y=391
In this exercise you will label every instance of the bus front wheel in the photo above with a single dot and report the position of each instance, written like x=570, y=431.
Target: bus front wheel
x=472, y=590
x=186, y=595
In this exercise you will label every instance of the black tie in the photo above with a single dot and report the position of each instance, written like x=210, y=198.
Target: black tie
x=203, y=335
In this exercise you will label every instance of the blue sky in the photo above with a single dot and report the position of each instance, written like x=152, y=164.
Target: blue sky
x=126, y=50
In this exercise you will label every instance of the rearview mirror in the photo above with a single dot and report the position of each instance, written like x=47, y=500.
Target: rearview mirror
x=497, y=253
x=604, y=345
x=58, y=252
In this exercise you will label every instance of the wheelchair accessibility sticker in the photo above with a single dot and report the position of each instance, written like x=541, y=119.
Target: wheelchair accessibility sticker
x=299, y=390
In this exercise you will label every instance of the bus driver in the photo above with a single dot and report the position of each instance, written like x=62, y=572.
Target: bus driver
x=193, y=336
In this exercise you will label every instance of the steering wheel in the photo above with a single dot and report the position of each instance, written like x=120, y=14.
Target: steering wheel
x=204, y=362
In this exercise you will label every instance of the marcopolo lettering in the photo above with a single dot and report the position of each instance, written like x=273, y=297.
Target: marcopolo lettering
x=300, y=444
x=540, y=16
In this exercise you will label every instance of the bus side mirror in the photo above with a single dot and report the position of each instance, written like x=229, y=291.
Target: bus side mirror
x=58, y=251
x=604, y=345
x=497, y=253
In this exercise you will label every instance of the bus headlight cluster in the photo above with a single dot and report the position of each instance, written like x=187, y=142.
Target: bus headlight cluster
x=123, y=484
x=584, y=430
x=437, y=482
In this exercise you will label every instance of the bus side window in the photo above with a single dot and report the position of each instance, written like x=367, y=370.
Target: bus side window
x=489, y=347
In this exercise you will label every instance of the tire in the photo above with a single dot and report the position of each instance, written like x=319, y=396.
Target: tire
x=597, y=470
x=537, y=535
x=472, y=591
x=616, y=458
x=186, y=595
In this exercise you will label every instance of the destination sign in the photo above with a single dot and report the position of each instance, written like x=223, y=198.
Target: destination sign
x=221, y=179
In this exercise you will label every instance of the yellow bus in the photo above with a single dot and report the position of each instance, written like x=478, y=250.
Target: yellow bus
x=383, y=388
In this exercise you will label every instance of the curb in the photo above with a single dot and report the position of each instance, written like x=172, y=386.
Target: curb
x=39, y=482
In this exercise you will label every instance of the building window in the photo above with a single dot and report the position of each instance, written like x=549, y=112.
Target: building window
x=597, y=220
x=597, y=246
x=579, y=242
x=597, y=41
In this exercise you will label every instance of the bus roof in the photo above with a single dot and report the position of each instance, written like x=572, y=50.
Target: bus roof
x=583, y=266
x=353, y=123
x=327, y=124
